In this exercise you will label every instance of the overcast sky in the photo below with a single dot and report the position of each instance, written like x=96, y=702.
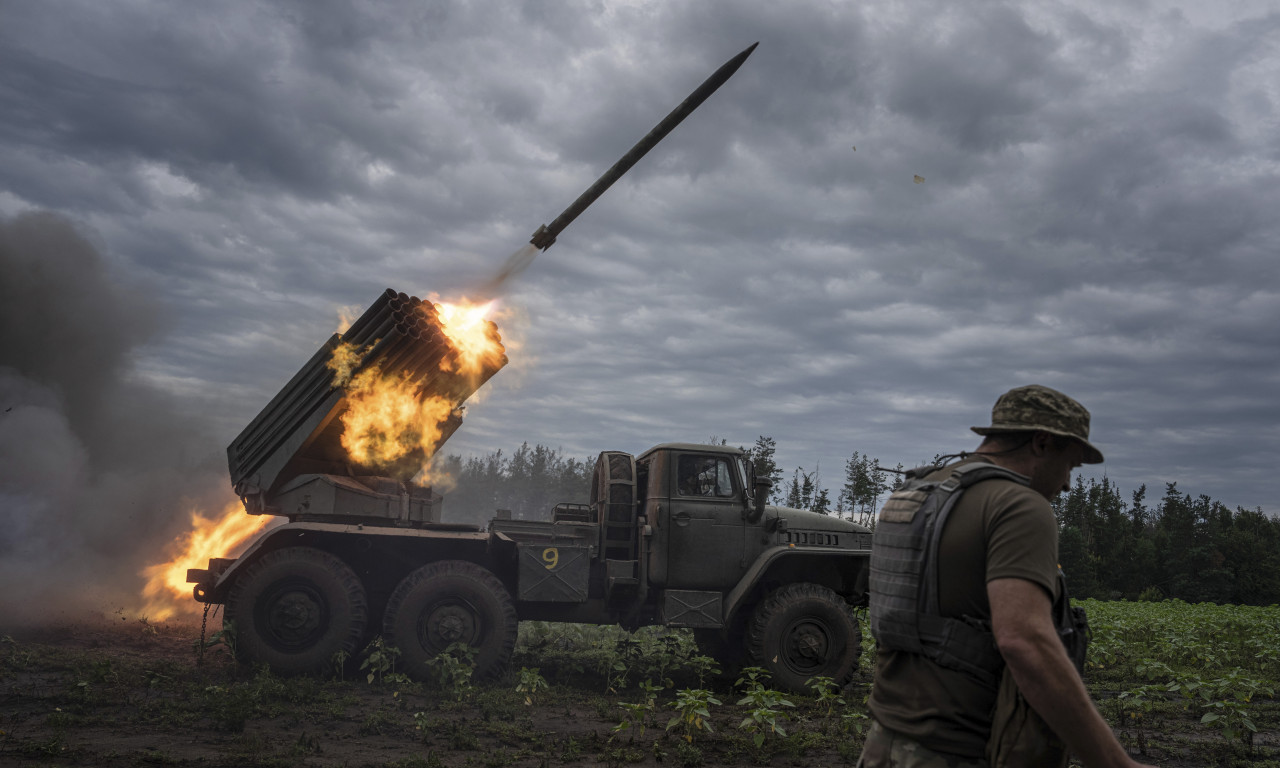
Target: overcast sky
x=1098, y=213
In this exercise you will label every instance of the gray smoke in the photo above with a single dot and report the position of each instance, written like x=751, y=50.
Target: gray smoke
x=512, y=268
x=98, y=468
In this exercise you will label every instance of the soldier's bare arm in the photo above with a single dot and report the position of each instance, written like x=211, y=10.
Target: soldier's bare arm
x=1022, y=622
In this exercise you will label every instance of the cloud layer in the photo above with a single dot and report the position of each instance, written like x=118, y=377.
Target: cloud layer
x=1097, y=211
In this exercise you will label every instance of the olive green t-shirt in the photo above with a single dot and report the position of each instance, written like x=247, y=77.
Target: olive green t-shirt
x=997, y=530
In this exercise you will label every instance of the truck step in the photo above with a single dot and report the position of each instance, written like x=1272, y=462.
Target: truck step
x=622, y=577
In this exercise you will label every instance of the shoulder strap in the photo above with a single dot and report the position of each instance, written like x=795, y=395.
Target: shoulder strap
x=962, y=477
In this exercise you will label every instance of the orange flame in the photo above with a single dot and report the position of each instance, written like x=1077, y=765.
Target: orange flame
x=467, y=326
x=167, y=592
x=385, y=420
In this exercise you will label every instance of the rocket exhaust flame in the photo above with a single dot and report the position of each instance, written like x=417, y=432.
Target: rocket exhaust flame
x=391, y=414
x=167, y=592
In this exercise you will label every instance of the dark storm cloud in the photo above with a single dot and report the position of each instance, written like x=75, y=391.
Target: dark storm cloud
x=1097, y=210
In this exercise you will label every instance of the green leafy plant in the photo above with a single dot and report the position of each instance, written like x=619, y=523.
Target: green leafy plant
x=380, y=661
x=224, y=640
x=531, y=684
x=762, y=703
x=1232, y=719
x=856, y=721
x=339, y=662
x=703, y=667
x=424, y=724
x=640, y=714
x=827, y=693
x=693, y=711
x=453, y=668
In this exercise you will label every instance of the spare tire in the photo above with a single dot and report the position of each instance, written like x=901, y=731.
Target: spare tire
x=613, y=498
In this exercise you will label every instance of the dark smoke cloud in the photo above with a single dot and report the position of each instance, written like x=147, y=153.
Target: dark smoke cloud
x=98, y=469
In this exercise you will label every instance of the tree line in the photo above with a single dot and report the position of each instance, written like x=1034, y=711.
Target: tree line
x=1191, y=548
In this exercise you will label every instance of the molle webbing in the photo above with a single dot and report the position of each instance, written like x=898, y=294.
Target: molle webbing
x=905, y=615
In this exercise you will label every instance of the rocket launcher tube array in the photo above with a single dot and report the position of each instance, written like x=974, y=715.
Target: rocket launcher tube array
x=300, y=430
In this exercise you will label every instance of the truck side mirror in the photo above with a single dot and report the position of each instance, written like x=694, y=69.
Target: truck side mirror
x=762, y=488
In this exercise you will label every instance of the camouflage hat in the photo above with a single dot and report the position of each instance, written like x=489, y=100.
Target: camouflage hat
x=1033, y=407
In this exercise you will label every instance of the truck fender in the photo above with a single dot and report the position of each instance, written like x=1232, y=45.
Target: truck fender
x=299, y=534
x=737, y=596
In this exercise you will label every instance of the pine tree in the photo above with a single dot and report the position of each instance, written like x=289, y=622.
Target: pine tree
x=864, y=483
x=762, y=458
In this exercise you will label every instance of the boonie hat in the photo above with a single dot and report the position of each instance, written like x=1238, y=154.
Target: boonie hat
x=1038, y=408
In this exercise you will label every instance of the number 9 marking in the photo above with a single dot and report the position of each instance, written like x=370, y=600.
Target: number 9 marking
x=551, y=556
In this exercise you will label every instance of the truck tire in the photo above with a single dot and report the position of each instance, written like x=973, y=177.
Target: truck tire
x=801, y=631
x=295, y=608
x=448, y=602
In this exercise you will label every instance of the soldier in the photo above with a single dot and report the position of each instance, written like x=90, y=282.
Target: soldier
x=969, y=607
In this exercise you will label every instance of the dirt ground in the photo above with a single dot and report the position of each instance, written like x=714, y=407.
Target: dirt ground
x=124, y=692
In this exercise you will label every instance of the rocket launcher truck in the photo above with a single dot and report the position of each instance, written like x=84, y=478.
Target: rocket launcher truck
x=680, y=535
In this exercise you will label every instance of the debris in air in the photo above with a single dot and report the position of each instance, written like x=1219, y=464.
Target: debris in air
x=919, y=179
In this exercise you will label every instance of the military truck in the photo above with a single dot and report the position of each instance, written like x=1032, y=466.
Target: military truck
x=680, y=536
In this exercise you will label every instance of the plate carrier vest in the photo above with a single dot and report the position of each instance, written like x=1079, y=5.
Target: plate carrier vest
x=904, y=575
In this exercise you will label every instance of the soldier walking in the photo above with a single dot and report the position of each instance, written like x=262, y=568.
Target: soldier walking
x=979, y=651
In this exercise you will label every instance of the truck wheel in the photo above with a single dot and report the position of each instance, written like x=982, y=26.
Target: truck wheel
x=295, y=608
x=453, y=601
x=802, y=631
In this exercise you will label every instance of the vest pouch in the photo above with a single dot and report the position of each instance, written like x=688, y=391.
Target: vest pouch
x=963, y=644
x=1020, y=738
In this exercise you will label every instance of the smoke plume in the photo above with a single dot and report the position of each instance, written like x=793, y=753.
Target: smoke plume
x=98, y=469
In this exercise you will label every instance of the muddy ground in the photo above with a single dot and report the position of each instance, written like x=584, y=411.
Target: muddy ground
x=124, y=692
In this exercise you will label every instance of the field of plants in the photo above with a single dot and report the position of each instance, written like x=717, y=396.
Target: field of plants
x=1184, y=685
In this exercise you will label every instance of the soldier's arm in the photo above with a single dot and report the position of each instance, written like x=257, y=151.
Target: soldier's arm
x=1022, y=621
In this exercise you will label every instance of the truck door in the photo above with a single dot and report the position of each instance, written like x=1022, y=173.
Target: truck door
x=706, y=533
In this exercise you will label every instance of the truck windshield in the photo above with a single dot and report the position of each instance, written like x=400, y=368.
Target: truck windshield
x=704, y=476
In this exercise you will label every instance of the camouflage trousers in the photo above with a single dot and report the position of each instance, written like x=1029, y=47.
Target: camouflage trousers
x=886, y=749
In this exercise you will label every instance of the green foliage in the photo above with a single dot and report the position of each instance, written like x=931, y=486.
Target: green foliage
x=529, y=482
x=856, y=721
x=806, y=492
x=639, y=715
x=222, y=641
x=864, y=483
x=1232, y=719
x=380, y=661
x=693, y=712
x=453, y=668
x=339, y=662
x=703, y=667
x=762, y=703
x=1218, y=659
x=531, y=683
x=1194, y=549
x=762, y=458
x=1190, y=683
x=827, y=693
